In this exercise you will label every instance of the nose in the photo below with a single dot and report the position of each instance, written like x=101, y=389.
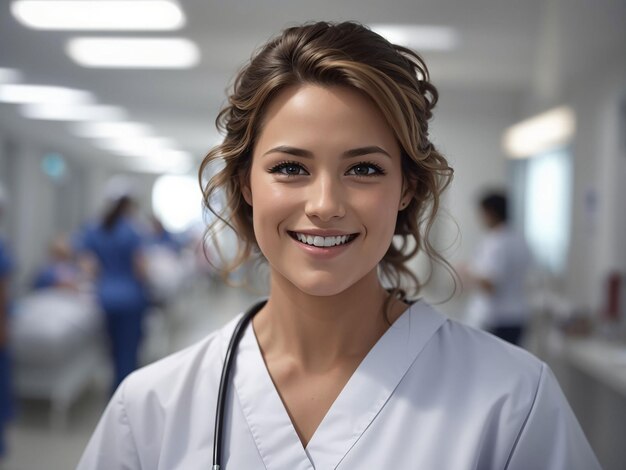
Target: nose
x=325, y=198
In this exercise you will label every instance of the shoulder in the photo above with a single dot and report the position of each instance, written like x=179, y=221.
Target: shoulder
x=167, y=398
x=171, y=375
x=484, y=366
x=170, y=393
x=488, y=356
x=502, y=394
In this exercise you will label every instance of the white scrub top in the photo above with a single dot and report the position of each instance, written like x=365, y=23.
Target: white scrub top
x=431, y=394
x=503, y=258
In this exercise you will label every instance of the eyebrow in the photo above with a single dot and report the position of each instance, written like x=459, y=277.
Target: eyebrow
x=356, y=152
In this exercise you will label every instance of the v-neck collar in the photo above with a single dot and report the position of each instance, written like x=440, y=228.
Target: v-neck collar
x=354, y=409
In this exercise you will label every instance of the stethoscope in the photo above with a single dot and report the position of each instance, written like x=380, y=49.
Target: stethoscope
x=225, y=379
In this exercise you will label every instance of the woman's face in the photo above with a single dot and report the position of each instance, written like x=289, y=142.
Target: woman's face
x=325, y=188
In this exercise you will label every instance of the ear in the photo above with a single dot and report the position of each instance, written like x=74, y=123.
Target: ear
x=244, y=184
x=408, y=191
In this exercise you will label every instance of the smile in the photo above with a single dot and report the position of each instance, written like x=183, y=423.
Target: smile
x=325, y=242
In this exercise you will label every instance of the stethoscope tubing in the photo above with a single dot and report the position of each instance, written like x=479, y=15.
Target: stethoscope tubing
x=225, y=380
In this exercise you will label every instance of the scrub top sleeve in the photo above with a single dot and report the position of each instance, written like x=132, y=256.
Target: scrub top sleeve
x=551, y=436
x=112, y=445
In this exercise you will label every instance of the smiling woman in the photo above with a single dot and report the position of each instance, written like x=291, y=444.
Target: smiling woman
x=384, y=89
x=327, y=158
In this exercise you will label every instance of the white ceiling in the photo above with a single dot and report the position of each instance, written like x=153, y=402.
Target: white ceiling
x=500, y=43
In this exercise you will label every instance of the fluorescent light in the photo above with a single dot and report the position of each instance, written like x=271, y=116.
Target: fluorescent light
x=9, y=75
x=111, y=15
x=177, y=201
x=422, y=38
x=111, y=130
x=139, y=146
x=16, y=93
x=55, y=112
x=133, y=52
x=175, y=161
x=546, y=131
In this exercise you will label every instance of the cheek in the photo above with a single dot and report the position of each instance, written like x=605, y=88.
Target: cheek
x=383, y=198
x=271, y=205
x=379, y=210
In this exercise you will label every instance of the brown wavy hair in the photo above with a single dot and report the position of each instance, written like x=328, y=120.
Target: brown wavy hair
x=329, y=54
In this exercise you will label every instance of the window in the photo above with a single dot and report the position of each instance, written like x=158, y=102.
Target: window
x=547, y=208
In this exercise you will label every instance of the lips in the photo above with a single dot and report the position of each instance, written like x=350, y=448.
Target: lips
x=321, y=241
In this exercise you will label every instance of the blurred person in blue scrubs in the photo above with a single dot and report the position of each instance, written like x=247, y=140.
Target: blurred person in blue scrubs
x=497, y=274
x=6, y=266
x=114, y=243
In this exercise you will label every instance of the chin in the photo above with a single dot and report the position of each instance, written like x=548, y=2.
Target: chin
x=323, y=284
x=321, y=290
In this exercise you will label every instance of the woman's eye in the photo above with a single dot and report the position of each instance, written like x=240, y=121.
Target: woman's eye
x=365, y=169
x=288, y=169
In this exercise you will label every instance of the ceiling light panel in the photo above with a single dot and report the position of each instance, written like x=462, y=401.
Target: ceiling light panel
x=419, y=37
x=177, y=162
x=18, y=93
x=547, y=131
x=100, y=15
x=140, y=147
x=133, y=52
x=55, y=112
x=111, y=130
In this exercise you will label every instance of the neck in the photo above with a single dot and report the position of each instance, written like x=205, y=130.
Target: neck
x=318, y=331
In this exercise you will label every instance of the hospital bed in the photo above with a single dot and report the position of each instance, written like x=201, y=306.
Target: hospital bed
x=58, y=348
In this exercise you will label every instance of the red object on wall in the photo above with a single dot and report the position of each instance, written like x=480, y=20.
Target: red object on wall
x=614, y=289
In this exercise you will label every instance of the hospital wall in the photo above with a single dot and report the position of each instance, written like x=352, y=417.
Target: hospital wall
x=595, y=88
x=598, y=236
x=576, y=67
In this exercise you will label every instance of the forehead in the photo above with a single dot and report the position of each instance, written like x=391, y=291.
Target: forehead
x=338, y=114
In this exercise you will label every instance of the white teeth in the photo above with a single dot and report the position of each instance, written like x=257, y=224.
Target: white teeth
x=322, y=241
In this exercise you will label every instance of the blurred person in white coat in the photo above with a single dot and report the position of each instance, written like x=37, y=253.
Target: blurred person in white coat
x=497, y=274
x=326, y=157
